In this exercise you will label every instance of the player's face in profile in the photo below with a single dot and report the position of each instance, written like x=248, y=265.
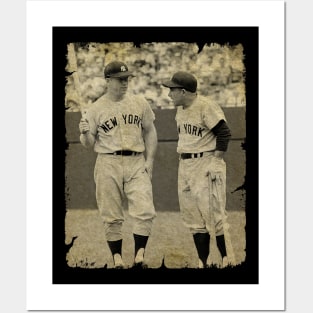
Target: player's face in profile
x=118, y=86
x=176, y=94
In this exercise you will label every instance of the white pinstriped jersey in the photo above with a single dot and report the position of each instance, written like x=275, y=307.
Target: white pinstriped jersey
x=194, y=125
x=118, y=125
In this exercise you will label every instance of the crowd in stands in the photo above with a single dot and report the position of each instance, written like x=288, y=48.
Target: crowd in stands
x=219, y=69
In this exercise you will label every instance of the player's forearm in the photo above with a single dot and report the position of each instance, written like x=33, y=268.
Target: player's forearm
x=87, y=140
x=151, y=142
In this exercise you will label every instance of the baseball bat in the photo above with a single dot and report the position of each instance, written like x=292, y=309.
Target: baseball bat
x=225, y=225
x=211, y=224
x=72, y=63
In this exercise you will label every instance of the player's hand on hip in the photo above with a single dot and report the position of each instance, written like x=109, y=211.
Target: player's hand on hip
x=84, y=126
x=216, y=177
x=216, y=169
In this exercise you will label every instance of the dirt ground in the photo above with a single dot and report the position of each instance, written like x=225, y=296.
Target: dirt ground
x=170, y=241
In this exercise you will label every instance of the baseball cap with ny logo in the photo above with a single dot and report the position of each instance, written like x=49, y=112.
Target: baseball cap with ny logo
x=117, y=69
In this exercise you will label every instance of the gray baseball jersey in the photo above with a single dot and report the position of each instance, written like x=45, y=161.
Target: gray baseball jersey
x=119, y=126
x=194, y=125
x=202, y=202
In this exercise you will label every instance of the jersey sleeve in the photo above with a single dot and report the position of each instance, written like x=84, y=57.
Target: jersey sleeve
x=212, y=114
x=148, y=114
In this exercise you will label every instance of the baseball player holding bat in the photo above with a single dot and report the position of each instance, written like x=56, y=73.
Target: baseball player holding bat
x=203, y=136
x=120, y=127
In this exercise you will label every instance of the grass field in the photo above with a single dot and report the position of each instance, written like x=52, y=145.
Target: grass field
x=170, y=241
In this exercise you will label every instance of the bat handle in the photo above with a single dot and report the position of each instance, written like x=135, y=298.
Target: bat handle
x=83, y=111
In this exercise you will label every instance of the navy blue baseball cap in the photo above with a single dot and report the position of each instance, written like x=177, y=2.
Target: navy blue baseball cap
x=182, y=80
x=117, y=69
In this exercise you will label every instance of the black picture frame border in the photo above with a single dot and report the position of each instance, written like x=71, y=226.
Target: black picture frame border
x=247, y=272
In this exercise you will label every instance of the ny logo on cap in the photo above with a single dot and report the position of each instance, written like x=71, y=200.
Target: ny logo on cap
x=123, y=68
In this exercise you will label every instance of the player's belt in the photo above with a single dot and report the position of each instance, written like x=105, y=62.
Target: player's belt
x=191, y=155
x=125, y=152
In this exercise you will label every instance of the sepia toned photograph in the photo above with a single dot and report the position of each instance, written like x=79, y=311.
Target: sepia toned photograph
x=158, y=182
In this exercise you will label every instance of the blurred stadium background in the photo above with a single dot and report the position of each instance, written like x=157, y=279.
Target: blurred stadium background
x=219, y=70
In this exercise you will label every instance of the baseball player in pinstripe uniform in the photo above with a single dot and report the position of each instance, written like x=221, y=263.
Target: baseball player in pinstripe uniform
x=203, y=137
x=120, y=127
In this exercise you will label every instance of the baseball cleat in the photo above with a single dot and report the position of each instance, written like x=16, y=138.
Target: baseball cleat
x=139, y=256
x=225, y=262
x=210, y=262
x=118, y=262
x=200, y=264
x=139, y=259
